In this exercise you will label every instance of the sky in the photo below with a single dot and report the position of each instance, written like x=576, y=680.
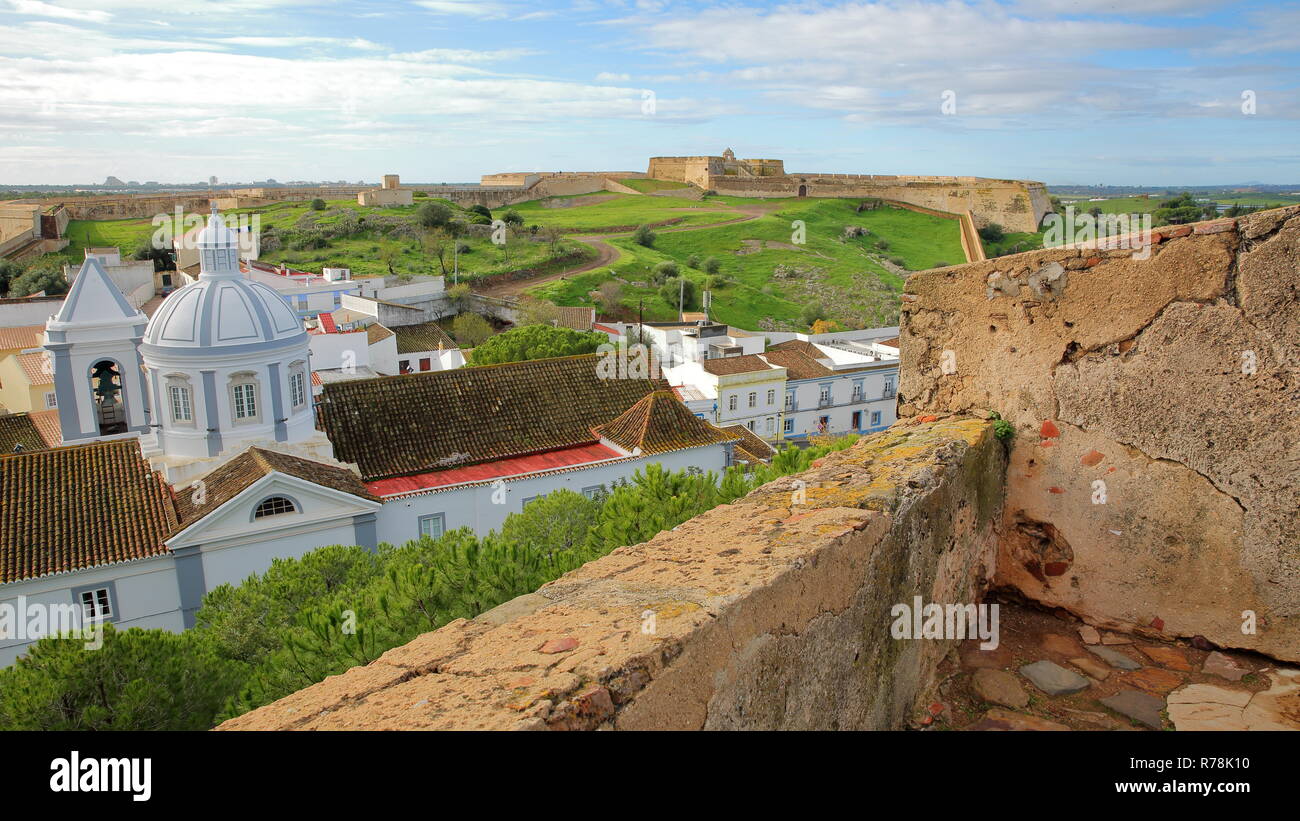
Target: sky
x=1142, y=92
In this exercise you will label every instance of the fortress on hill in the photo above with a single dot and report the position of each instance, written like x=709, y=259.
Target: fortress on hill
x=1017, y=205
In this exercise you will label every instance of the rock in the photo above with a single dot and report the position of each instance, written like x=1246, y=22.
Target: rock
x=1210, y=693
x=563, y=645
x=1224, y=666
x=999, y=719
x=1056, y=643
x=973, y=657
x=1114, y=658
x=1208, y=707
x=1054, y=679
x=1202, y=643
x=1089, y=634
x=1115, y=638
x=1098, y=719
x=1154, y=679
x=1277, y=708
x=999, y=687
x=1170, y=657
x=1092, y=667
x=1139, y=706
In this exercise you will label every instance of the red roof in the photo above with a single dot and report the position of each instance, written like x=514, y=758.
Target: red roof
x=536, y=463
x=327, y=323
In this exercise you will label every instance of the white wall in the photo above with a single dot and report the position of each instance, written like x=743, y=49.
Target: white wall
x=328, y=350
x=231, y=563
x=398, y=519
x=843, y=405
x=147, y=596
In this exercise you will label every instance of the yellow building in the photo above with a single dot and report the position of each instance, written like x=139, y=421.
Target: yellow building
x=26, y=383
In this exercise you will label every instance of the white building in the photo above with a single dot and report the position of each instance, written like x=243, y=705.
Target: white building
x=189, y=454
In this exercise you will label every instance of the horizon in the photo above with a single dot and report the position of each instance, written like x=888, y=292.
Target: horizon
x=450, y=89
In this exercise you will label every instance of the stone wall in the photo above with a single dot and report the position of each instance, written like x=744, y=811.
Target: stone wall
x=1155, y=478
x=770, y=613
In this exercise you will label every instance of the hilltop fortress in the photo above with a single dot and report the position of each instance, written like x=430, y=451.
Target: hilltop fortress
x=1017, y=205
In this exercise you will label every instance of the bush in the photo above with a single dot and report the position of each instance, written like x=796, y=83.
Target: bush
x=678, y=287
x=993, y=232
x=644, y=236
x=45, y=274
x=693, y=261
x=537, y=342
x=511, y=217
x=899, y=261
x=432, y=215
x=710, y=265
x=882, y=245
x=664, y=271
x=812, y=312
x=482, y=210
x=318, y=204
x=470, y=330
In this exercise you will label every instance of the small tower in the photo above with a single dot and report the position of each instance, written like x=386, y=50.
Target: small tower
x=92, y=343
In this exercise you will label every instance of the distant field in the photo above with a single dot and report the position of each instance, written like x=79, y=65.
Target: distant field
x=1138, y=205
x=765, y=280
x=621, y=210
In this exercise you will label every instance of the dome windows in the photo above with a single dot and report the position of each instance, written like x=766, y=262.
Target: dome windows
x=274, y=506
x=245, y=404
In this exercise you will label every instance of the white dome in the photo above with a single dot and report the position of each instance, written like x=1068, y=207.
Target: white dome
x=221, y=311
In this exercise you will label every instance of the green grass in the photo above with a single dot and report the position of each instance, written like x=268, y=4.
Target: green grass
x=845, y=275
x=647, y=186
x=624, y=210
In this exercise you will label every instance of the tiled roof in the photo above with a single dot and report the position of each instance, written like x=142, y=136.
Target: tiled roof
x=799, y=346
x=660, y=423
x=76, y=507
x=20, y=337
x=376, y=333
x=891, y=342
x=426, y=336
x=399, y=425
x=750, y=448
x=18, y=433
x=798, y=365
x=749, y=363
x=236, y=475
x=34, y=367
x=537, y=464
x=579, y=319
x=47, y=424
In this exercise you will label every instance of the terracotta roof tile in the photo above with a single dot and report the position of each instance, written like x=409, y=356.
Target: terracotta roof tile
x=749, y=363
x=71, y=508
x=750, y=444
x=236, y=475
x=660, y=423
x=427, y=336
x=799, y=346
x=18, y=433
x=399, y=425
x=798, y=365
x=19, y=337
x=579, y=318
x=376, y=333
x=34, y=367
x=47, y=424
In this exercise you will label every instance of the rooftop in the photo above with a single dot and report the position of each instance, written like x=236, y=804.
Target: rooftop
x=427, y=336
x=236, y=475
x=660, y=423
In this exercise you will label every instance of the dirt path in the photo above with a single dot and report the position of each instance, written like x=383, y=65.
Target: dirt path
x=606, y=253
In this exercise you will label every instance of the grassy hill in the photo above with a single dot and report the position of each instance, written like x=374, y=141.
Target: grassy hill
x=765, y=280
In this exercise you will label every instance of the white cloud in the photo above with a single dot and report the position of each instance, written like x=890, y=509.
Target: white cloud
x=36, y=8
x=298, y=42
x=611, y=77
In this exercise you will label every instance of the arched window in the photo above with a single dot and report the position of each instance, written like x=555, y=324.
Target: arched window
x=274, y=506
x=180, y=399
x=297, y=384
x=244, y=404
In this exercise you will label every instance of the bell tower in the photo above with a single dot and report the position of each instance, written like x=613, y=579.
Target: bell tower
x=92, y=342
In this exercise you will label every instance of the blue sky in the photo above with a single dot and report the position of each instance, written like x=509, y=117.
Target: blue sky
x=444, y=90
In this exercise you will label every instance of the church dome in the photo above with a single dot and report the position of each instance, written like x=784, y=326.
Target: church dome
x=222, y=308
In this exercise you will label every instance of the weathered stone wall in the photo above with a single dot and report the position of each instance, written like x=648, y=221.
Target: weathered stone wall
x=773, y=612
x=1155, y=478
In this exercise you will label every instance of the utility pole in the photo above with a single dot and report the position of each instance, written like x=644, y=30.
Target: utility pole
x=681, y=299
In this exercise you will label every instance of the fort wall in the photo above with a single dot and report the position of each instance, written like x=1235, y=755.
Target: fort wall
x=1154, y=480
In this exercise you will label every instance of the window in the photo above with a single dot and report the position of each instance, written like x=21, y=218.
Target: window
x=182, y=411
x=96, y=604
x=433, y=525
x=875, y=418
x=753, y=399
x=425, y=364
x=731, y=402
x=274, y=506
x=789, y=425
x=823, y=424
x=824, y=396
x=593, y=492
x=532, y=498
x=771, y=425
x=889, y=386
x=298, y=384
x=750, y=425
x=403, y=366
x=51, y=400
x=771, y=398
x=857, y=391
x=789, y=400
x=302, y=302
x=243, y=397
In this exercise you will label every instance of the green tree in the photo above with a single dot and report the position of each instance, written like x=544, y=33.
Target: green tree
x=318, y=204
x=9, y=270
x=45, y=274
x=664, y=271
x=812, y=312
x=993, y=232
x=537, y=342
x=481, y=210
x=138, y=680
x=459, y=296
x=1177, y=210
x=560, y=520
x=711, y=266
x=470, y=331
x=679, y=289
x=512, y=218
x=432, y=215
x=644, y=236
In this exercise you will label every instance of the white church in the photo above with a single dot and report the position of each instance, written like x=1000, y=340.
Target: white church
x=190, y=450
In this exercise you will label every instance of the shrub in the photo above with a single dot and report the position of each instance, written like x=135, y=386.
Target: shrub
x=318, y=204
x=470, y=330
x=644, y=236
x=812, y=312
x=481, y=210
x=693, y=261
x=511, y=217
x=710, y=265
x=993, y=232
x=432, y=215
x=664, y=271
